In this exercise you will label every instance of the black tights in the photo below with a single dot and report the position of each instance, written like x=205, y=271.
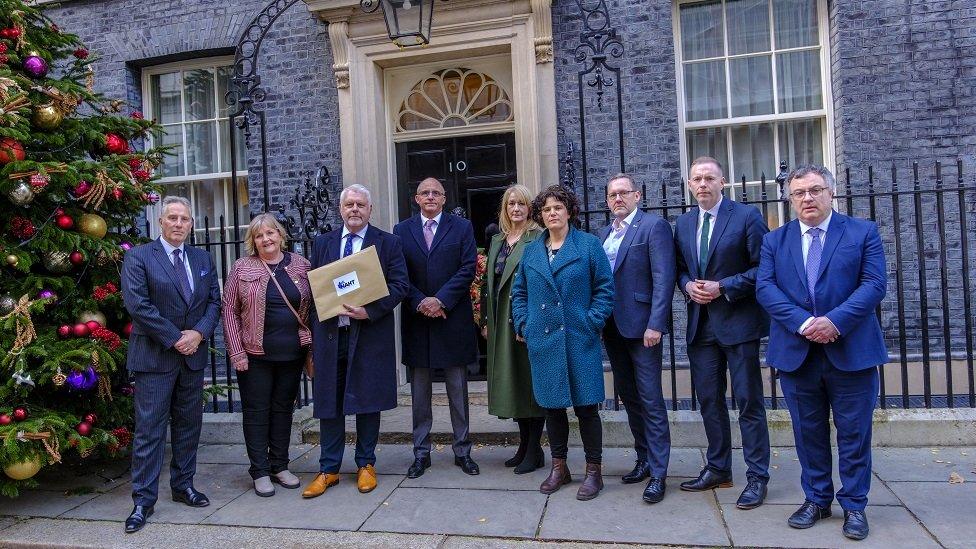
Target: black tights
x=591, y=431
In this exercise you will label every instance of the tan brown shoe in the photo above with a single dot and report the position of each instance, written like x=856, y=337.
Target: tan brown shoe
x=320, y=484
x=366, y=479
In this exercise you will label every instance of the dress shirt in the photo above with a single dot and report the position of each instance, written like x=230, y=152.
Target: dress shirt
x=711, y=222
x=617, y=231
x=437, y=222
x=805, y=240
x=186, y=260
x=357, y=245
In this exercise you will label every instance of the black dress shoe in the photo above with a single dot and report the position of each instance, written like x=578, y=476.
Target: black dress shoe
x=654, y=492
x=138, y=517
x=467, y=465
x=191, y=497
x=707, y=480
x=855, y=525
x=754, y=494
x=418, y=467
x=641, y=471
x=808, y=514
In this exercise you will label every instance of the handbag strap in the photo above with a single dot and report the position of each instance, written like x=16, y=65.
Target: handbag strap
x=283, y=296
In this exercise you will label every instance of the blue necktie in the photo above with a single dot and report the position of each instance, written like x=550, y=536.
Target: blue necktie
x=348, y=249
x=813, y=264
x=181, y=277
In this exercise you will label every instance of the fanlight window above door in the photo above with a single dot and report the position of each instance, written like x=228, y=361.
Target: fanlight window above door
x=453, y=98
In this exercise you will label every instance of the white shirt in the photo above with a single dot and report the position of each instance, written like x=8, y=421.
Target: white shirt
x=437, y=222
x=357, y=245
x=711, y=222
x=617, y=231
x=186, y=261
x=806, y=239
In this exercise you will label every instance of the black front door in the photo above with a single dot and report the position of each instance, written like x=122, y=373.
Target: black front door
x=474, y=171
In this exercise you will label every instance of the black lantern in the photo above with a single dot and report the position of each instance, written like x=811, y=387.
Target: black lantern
x=407, y=21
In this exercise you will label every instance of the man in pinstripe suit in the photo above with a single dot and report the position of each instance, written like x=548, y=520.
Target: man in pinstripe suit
x=171, y=292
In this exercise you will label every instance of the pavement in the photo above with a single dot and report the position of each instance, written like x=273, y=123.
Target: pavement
x=912, y=504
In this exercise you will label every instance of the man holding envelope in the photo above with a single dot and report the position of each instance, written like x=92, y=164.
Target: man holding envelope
x=354, y=353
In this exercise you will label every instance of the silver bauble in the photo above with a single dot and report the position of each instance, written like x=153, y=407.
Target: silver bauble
x=57, y=262
x=7, y=304
x=21, y=194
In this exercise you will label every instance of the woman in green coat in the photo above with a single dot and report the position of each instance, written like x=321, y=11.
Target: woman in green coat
x=509, y=375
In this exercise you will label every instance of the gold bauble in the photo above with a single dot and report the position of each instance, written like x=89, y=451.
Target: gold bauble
x=92, y=225
x=13, y=260
x=57, y=262
x=23, y=470
x=47, y=117
x=97, y=316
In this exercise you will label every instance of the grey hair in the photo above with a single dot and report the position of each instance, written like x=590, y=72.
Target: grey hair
x=358, y=189
x=804, y=170
x=628, y=177
x=174, y=199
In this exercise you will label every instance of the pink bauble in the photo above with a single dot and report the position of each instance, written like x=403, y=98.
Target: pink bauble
x=76, y=258
x=80, y=330
x=92, y=325
x=64, y=331
x=81, y=188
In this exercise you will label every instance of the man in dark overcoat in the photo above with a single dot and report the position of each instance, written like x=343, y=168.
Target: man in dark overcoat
x=354, y=354
x=438, y=322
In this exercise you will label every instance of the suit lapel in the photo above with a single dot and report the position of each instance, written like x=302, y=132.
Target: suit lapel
x=794, y=243
x=446, y=224
x=691, y=242
x=720, y=224
x=536, y=259
x=197, y=263
x=835, y=232
x=164, y=262
x=415, y=226
x=514, y=257
x=628, y=238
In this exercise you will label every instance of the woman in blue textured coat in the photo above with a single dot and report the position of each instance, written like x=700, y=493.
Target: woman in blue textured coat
x=562, y=295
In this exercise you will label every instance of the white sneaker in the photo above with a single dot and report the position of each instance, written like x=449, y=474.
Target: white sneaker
x=286, y=479
x=263, y=487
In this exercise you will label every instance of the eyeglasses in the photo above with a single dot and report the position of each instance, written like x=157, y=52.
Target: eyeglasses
x=435, y=194
x=621, y=194
x=814, y=192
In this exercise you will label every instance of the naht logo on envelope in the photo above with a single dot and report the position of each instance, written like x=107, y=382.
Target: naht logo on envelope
x=346, y=283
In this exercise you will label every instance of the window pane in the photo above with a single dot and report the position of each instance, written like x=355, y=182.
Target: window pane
x=751, y=79
x=705, y=90
x=166, y=97
x=752, y=152
x=748, y=22
x=224, y=74
x=795, y=22
x=701, y=30
x=199, y=85
x=708, y=142
x=201, y=148
x=801, y=142
x=798, y=81
x=225, y=147
x=172, y=163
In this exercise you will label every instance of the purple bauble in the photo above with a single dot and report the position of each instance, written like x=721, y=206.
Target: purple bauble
x=35, y=66
x=46, y=294
x=91, y=379
x=152, y=197
x=75, y=380
x=126, y=246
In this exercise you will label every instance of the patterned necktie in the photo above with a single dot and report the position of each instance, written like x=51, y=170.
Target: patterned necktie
x=813, y=264
x=181, y=277
x=349, y=239
x=703, y=245
x=429, y=232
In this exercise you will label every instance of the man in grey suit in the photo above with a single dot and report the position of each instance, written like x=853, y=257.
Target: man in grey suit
x=170, y=290
x=640, y=247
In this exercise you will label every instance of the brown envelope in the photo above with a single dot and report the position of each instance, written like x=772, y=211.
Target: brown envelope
x=355, y=280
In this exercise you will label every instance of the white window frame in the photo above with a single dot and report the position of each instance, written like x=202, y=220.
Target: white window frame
x=825, y=113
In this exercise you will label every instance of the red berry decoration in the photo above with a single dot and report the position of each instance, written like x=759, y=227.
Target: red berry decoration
x=81, y=53
x=115, y=144
x=135, y=163
x=117, y=193
x=22, y=228
x=11, y=150
x=64, y=331
x=64, y=222
x=39, y=181
x=3, y=47
x=137, y=115
x=141, y=175
x=91, y=418
x=20, y=414
x=84, y=428
x=76, y=258
x=92, y=325
x=80, y=330
x=5, y=419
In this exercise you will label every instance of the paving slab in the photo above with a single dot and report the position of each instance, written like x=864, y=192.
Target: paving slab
x=341, y=507
x=100, y=476
x=924, y=464
x=619, y=515
x=463, y=542
x=784, y=481
x=219, y=482
x=945, y=509
x=237, y=453
x=7, y=521
x=42, y=503
x=684, y=462
x=391, y=459
x=466, y=512
x=491, y=462
x=766, y=527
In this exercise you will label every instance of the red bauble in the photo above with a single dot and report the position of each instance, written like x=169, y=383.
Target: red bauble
x=127, y=330
x=5, y=419
x=80, y=330
x=81, y=188
x=141, y=175
x=92, y=325
x=91, y=418
x=20, y=414
x=14, y=32
x=117, y=193
x=4, y=33
x=84, y=428
x=64, y=222
x=11, y=150
x=76, y=258
x=115, y=144
x=64, y=331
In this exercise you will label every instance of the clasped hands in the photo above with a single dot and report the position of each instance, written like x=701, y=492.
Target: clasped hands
x=821, y=330
x=187, y=343
x=359, y=313
x=703, y=292
x=432, y=307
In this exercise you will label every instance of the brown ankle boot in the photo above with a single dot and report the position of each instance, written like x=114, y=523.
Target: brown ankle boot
x=592, y=483
x=557, y=477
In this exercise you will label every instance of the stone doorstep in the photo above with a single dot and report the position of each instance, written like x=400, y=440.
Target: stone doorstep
x=893, y=428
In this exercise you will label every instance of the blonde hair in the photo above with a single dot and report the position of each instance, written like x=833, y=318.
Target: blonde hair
x=522, y=193
x=259, y=221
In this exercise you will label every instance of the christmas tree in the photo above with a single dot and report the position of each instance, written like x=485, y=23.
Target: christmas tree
x=71, y=187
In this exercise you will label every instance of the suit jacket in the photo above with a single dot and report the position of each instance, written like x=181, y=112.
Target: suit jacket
x=159, y=312
x=371, y=382
x=643, y=276
x=851, y=284
x=733, y=258
x=445, y=272
x=560, y=309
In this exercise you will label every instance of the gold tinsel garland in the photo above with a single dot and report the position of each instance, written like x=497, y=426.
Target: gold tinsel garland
x=25, y=327
x=96, y=195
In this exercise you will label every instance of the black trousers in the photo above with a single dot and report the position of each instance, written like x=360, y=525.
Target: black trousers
x=591, y=431
x=268, y=392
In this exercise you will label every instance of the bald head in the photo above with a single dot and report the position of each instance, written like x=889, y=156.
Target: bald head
x=430, y=197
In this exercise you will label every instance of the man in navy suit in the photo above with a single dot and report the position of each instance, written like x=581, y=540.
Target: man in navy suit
x=171, y=291
x=640, y=247
x=718, y=244
x=821, y=278
x=437, y=327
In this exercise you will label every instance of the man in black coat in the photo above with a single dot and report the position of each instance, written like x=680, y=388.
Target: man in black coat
x=718, y=244
x=437, y=327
